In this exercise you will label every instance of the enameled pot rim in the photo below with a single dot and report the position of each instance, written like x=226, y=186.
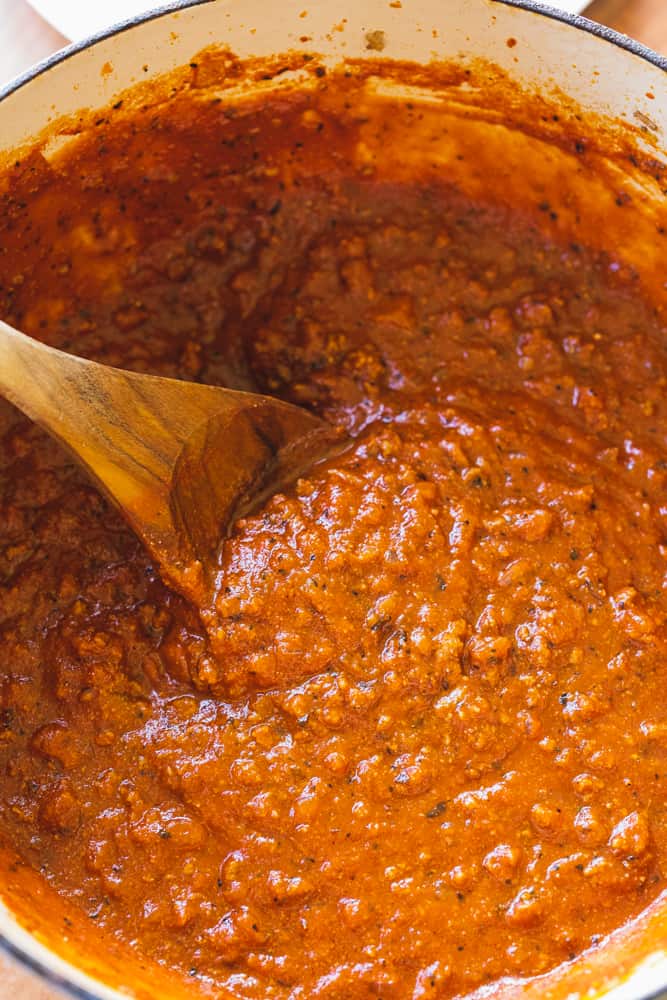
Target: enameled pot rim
x=616, y=38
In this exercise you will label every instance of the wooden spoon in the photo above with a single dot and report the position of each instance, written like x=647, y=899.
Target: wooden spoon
x=181, y=460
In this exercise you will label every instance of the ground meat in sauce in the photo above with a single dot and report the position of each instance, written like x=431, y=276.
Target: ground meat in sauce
x=432, y=749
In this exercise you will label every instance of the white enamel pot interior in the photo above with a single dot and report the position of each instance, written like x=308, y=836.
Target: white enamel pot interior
x=603, y=72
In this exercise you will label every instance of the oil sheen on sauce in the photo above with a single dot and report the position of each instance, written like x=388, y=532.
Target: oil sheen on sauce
x=430, y=750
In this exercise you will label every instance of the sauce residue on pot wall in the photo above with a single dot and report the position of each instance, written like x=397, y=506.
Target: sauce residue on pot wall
x=429, y=753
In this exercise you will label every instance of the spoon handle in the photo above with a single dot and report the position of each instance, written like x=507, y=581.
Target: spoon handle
x=34, y=376
x=87, y=405
x=122, y=426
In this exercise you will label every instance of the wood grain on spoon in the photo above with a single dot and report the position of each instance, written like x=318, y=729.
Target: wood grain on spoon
x=181, y=460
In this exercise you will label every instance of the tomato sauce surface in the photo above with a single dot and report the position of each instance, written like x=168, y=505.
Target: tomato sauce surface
x=427, y=746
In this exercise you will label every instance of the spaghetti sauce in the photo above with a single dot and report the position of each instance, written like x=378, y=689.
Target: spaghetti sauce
x=427, y=748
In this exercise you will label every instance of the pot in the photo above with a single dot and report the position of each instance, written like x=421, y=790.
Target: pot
x=525, y=60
